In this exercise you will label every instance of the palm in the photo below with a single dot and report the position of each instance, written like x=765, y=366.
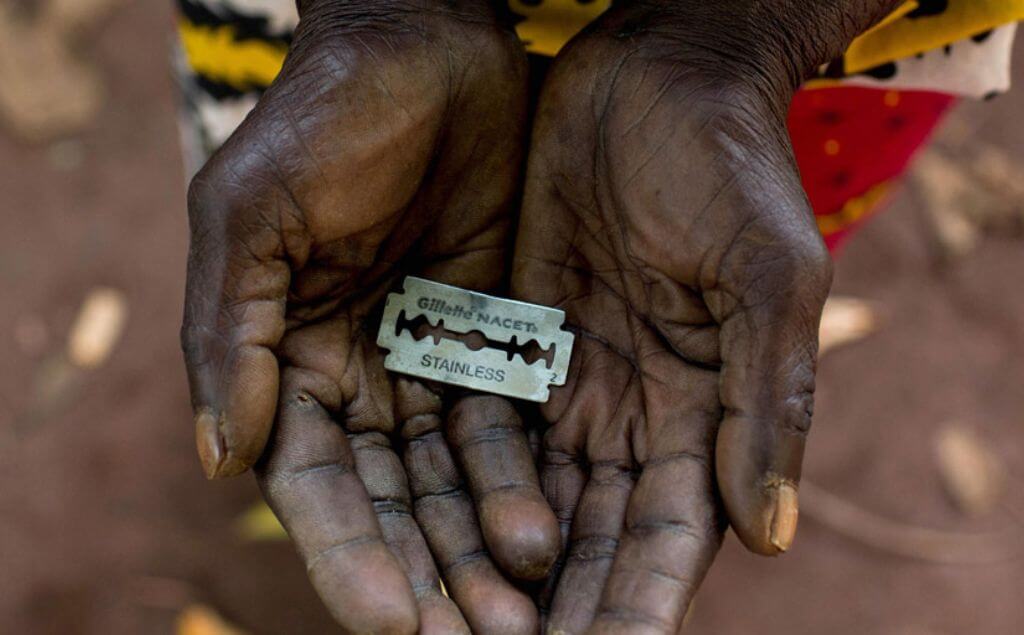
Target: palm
x=640, y=221
x=389, y=177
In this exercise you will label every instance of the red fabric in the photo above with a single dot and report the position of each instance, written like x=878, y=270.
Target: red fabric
x=849, y=139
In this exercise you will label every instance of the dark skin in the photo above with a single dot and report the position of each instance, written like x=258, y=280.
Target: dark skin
x=390, y=145
x=662, y=211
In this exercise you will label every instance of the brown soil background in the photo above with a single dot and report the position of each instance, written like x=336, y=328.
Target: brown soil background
x=106, y=525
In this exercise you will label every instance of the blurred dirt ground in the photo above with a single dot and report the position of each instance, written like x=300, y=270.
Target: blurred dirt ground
x=106, y=525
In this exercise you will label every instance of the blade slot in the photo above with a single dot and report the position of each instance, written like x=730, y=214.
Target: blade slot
x=421, y=328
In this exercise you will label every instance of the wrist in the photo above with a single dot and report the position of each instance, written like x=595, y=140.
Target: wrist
x=810, y=35
x=357, y=12
x=772, y=44
x=431, y=22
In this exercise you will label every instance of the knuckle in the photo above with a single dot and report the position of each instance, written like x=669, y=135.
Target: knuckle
x=388, y=507
x=204, y=195
x=480, y=416
x=678, y=529
x=593, y=548
x=433, y=474
x=421, y=429
x=556, y=458
x=370, y=441
x=787, y=267
x=201, y=345
x=798, y=413
x=193, y=342
x=816, y=262
x=279, y=481
x=240, y=172
x=802, y=241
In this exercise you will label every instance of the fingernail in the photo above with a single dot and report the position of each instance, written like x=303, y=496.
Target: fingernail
x=209, y=443
x=787, y=512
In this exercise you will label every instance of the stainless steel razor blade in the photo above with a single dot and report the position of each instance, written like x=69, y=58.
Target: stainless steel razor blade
x=453, y=352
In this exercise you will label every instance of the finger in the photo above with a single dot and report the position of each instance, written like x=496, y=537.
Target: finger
x=672, y=533
x=594, y=538
x=562, y=481
x=769, y=340
x=234, y=317
x=384, y=478
x=518, y=526
x=587, y=481
x=446, y=514
x=309, y=480
x=562, y=476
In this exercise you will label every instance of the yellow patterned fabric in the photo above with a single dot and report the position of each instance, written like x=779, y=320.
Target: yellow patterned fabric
x=216, y=52
x=854, y=211
x=916, y=27
x=231, y=50
x=548, y=24
x=924, y=25
x=215, y=47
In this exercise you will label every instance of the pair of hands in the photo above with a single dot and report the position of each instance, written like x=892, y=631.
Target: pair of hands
x=662, y=211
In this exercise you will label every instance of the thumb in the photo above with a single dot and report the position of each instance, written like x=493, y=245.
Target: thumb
x=777, y=286
x=234, y=317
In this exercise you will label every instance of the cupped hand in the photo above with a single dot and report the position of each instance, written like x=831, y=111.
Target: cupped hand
x=390, y=145
x=664, y=213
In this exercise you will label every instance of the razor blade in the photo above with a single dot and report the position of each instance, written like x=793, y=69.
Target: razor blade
x=454, y=317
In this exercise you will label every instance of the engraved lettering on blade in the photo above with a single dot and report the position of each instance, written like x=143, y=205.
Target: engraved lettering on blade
x=440, y=307
x=501, y=321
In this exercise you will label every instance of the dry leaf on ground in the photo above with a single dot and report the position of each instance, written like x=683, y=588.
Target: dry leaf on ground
x=198, y=619
x=974, y=476
x=845, y=320
x=98, y=328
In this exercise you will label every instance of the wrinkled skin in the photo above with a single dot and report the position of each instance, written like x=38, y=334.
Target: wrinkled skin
x=664, y=213
x=390, y=145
